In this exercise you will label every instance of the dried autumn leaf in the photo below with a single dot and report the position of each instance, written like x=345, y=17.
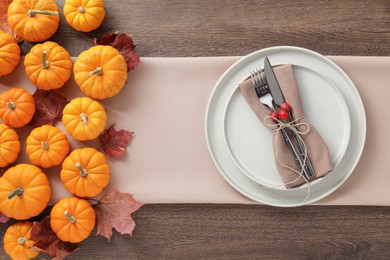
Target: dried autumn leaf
x=4, y=26
x=49, y=106
x=124, y=44
x=47, y=241
x=114, y=142
x=114, y=211
x=3, y=218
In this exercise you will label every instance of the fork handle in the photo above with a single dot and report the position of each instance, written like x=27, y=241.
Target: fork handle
x=295, y=154
x=301, y=148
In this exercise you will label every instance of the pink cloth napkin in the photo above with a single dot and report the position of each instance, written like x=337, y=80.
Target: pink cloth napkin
x=316, y=147
x=168, y=161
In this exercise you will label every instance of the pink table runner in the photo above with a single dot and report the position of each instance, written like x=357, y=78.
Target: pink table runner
x=167, y=161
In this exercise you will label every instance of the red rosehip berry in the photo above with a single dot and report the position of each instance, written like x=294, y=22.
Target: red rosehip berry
x=286, y=106
x=283, y=114
x=274, y=115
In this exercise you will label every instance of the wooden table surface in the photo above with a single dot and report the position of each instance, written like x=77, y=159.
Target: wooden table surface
x=225, y=28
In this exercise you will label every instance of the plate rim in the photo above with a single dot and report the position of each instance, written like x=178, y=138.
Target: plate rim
x=358, y=101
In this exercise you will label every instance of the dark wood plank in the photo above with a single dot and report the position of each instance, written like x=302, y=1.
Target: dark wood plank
x=225, y=28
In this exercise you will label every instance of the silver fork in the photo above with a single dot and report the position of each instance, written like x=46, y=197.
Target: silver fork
x=260, y=85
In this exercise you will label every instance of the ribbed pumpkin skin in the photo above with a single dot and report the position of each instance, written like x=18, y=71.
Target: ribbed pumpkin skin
x=47, y=146
x=84, y=16
x=9, y=145
x=88, y=127
x=113, y=72
x=9, y=53
x=17, y=241
x=36, y=192
x=84, y=216
x=33, y=29
x=24, y=107
x=54, y=72
x=90, y=177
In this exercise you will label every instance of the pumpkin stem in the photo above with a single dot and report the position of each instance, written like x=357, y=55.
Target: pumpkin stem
x=83, y=172
x=11, y=105
x=44, y=145
x=98, y=71
x=32, y=13
x=70, y=218
x=81, y=9
x=84, y=118
x=22, y=240
x=18, y=191
x=45, y=63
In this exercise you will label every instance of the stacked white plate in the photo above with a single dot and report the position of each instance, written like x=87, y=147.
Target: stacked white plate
x=241, y=145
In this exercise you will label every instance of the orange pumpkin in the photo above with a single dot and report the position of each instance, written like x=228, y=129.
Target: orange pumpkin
x=85, y=172
x=84, y=15
x=100, y=72
x=9, y=53
x=33, y=20
x=47, y=146
x=17, y=107
x=25, y=192
x=72, y=219
x=48, y=65
x=17, y=241
x=84, y=118
x=9, y=145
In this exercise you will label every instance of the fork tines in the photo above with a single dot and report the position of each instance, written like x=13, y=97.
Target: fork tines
x=259, y=82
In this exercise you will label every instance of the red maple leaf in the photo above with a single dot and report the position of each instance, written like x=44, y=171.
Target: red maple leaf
x=114, y=142
x=124, y=44
x=48, y=107
x=114, y=211
x=3, y=218
x=47, y=241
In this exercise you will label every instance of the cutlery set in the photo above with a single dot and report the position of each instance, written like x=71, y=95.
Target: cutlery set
x=270, y=94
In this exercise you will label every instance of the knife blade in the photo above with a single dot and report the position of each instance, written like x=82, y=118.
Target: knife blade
x=273, y=83
x=277, y=94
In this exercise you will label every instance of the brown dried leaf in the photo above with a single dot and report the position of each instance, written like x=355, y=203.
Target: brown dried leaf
x=48, y=107
x=124, y=44
x=47, y=241
x=114, y=211
x=114, y=142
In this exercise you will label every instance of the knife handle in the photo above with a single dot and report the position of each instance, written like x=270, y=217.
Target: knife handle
x=308, y=164
x=295, y=154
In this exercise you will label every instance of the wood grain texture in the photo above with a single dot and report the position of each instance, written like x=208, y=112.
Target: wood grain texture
x=226, y=28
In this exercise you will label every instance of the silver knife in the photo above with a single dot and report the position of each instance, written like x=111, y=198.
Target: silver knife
x=278, y=97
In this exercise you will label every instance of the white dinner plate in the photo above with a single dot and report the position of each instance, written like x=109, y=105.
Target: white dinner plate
x=249, y=141
x=215, y=116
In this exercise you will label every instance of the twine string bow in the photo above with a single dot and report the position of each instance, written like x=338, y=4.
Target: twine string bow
x=294, y=126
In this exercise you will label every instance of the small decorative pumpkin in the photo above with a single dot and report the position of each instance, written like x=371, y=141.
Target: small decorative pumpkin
x=84, y=15
x=9, y=145
x=17, y=107
x=72, y=219
x=47, y=146
x=25, y=192
x=17, y=241
x=100, y=72
x=9, y=53
x=84, y=118
x=33, y=20
x=48, y=65
x=85, y=172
